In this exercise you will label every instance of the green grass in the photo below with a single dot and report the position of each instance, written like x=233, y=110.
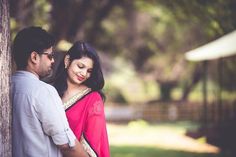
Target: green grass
x=142, y=139
x=137, y=151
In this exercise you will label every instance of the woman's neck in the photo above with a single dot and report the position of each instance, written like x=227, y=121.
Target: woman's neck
x=72, y=90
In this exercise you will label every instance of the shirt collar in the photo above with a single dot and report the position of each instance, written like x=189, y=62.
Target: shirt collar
x=26, y=73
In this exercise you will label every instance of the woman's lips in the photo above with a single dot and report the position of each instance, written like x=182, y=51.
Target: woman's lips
x=80, y=78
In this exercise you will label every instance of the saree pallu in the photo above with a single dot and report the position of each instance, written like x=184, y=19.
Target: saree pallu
x=86, y=117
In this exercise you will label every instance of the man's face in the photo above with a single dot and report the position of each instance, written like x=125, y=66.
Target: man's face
x=46, y=63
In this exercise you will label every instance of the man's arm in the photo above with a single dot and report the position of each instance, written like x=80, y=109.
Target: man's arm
x=76, y=151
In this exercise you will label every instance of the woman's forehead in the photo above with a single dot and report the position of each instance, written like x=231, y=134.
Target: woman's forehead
x=84, y=60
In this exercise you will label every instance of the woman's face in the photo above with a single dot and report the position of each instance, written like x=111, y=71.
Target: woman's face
x=80, y=70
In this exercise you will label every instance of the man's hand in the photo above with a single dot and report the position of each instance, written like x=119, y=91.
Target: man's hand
x=76, y=151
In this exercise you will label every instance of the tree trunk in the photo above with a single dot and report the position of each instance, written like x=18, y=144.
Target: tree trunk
x=5, y=69
x=166, y=89
x=196, y=77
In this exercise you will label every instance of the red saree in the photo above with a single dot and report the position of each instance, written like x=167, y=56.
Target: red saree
x=87, y=120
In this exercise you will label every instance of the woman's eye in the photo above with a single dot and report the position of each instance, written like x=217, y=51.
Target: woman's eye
x=80, y=66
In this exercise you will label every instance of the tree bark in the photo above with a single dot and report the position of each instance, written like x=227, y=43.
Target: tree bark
x=5, y=69
x=195, y=78
x=166, y=88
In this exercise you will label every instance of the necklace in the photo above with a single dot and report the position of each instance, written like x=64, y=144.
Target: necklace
x=76, y=97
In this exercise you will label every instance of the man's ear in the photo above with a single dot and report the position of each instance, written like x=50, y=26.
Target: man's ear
x=67, y=61
x=34, y=57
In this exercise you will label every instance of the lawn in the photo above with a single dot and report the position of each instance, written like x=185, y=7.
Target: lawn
x=141, y=139
x=138, y=151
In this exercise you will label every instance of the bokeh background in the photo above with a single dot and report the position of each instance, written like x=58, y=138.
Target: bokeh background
x=158, y=102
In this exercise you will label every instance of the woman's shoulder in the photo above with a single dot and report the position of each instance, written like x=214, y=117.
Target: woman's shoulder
x=94, y=98
x=94, y=94
x=96, y=103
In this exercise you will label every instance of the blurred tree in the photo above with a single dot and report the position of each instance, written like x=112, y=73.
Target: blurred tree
x=22, y=11
x=152, y=35
x=5, y=69
x=79, y=19
x=212, y=20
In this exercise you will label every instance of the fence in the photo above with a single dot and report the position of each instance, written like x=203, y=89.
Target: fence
x=174, y=111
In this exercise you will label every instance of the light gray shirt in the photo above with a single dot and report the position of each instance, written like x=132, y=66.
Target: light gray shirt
x=39, y=120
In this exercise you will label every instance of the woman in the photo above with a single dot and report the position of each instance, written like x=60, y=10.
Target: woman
x=79, y=84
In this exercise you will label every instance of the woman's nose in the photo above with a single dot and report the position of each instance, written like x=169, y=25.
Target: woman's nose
x=84, y=72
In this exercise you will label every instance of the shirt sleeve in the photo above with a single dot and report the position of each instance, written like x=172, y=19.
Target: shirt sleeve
x=50, y=112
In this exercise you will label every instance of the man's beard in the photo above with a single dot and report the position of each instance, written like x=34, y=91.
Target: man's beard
x=47, y=75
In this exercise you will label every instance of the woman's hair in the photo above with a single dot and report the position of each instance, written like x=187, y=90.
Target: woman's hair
x=77, y=51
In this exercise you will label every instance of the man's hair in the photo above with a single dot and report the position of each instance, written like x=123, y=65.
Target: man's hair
x=28, y=40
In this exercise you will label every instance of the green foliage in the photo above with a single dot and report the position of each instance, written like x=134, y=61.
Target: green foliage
x=150, y=36
x=41, y=14
x=138, y=124
x=229, y=74
x=212, y=90
x=114, y=94
x=125, y=86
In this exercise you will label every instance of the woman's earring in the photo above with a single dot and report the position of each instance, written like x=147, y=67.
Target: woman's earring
x=66, y=61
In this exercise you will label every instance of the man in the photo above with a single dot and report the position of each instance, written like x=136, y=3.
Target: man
x=40, y=127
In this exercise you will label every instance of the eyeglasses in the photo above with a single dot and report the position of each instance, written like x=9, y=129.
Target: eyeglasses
x=49, y=55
